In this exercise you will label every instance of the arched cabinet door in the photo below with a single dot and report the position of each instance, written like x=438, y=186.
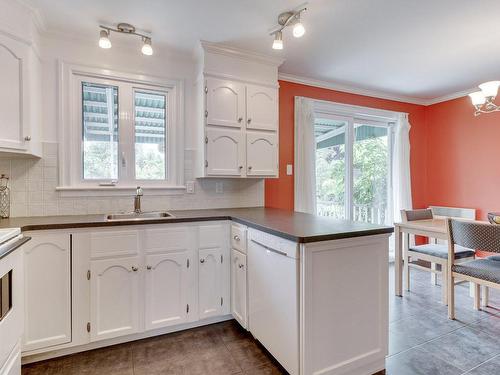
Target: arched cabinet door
x=14, y=89
x=262, y=107
x=209, y=282
x=47, y=285
x=262, y=154
x=166, y=289
x=239, y=287
x=114, y=297
x=225, y=103
x=225, y=152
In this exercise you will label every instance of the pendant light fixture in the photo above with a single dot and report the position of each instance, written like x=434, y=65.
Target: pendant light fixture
x=483, y=100
x=124, y=28
x=290, y=18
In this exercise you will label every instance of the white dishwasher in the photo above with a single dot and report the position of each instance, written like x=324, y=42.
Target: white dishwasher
x=273, y=285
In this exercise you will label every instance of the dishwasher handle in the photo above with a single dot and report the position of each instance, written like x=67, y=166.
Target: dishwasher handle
x=269, y=248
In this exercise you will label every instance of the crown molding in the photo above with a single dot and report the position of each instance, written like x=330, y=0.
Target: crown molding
x=350, y=89
x=445, y=98
x=36, y=16
x=230, y=51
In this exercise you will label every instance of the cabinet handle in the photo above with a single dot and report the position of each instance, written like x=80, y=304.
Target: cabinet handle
x=236, y=237
x=240, y=119
x=241, y=265
x=149, y=267
x=202, y=260
x=27, y=138
x=249, y=121
x=135, y=269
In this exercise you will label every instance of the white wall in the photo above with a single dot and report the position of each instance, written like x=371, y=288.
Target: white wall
x=33, y=182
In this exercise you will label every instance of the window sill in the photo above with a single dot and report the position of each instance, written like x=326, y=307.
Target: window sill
x=116, y=191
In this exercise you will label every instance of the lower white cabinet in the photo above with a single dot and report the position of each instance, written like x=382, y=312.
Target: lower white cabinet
x=114, y=297
x=47, y=280
x=210, y=294
x=166, y=292
x=239, y=287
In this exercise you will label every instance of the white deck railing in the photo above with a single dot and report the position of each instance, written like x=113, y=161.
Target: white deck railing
x=374, y=214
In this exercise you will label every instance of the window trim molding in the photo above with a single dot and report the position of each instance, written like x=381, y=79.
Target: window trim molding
x=68, y=76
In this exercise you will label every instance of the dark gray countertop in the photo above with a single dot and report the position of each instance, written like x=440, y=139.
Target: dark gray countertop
x=295, y=226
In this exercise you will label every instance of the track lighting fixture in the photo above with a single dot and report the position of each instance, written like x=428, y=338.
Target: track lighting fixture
x=124, y=28
x=290, y=18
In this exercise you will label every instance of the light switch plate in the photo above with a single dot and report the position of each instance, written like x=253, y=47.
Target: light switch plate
x=219, y=187
x=289, y=169
x=190, y=187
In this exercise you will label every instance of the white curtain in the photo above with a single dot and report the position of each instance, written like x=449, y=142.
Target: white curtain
x=305, y=156
x=401, y=167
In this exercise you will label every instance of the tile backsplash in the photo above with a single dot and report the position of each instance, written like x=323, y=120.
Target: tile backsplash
x=33, y=191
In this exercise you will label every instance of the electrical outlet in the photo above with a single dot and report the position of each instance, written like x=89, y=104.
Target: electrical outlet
x=289, y=169
x=219, y=187
x=190, y=187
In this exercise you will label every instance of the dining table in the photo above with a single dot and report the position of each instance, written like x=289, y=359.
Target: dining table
x=432, y=228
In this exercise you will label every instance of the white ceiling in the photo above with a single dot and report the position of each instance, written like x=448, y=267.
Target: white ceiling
x=422, y=49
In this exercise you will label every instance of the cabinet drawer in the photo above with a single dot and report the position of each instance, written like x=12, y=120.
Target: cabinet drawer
x=211, y=236
x=114, y=243
x=239, y=237
x=168, y=239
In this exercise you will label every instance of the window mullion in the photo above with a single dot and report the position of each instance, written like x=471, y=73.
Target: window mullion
x=126, y=135
x=349, y=179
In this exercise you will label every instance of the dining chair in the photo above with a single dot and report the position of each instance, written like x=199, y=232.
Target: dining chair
x=435, y=253
x=481, y=272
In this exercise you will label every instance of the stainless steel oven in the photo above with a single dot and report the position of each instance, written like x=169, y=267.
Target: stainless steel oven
x=5, y=294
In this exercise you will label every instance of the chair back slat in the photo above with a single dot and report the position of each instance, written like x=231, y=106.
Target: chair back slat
x=420, y=214
x=455, y=212
x=475, y=235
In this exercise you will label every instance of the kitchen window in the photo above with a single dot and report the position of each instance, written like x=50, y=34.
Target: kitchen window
x=123, y=131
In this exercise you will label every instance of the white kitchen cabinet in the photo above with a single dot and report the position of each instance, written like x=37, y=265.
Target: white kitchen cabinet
x=225, y=102
x=262, y=154
x=19, y=97
x=114, y=297
x=225, y=149
x=239, y=287
x=166, y=289
x=47, y=290
x=261, y=107
x=210, y=288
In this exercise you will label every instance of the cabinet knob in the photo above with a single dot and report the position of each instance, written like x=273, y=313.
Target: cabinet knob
x=240, y=167
x=240, y=119
x=249, y=121
x=202, y=260
x=236, y=237
x=135, y=269
x=249, y=167
x=149, y=267
x=27, y=138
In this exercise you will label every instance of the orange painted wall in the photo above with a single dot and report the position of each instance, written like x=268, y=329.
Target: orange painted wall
x=463, y=157
x=279, y=192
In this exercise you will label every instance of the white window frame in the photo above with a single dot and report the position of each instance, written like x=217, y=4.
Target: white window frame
x=71, y=181
x=353, y=115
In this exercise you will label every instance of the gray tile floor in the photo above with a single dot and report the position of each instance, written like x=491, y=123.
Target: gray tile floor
x=422, y=342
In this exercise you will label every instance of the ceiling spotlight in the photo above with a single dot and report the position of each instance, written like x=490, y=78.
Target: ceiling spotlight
x=278, y=40
x=146, y=47
x=298, y=29
x=104, y=41
x=290, y=18
x=124, y=28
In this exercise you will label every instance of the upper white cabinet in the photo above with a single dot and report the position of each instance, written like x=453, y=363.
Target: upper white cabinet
x=47, y=261
x=262, y=156
x=20, y=95
x=262, y=107
x=238, y=96
x=225, y=102
x=225, y=150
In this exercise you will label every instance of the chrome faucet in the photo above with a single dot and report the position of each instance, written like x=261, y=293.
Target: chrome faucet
x=137, y=200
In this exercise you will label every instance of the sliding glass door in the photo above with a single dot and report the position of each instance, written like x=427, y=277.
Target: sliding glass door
x=353, y=168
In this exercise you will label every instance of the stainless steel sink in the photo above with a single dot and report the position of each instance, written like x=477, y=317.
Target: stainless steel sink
x=139, y=216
